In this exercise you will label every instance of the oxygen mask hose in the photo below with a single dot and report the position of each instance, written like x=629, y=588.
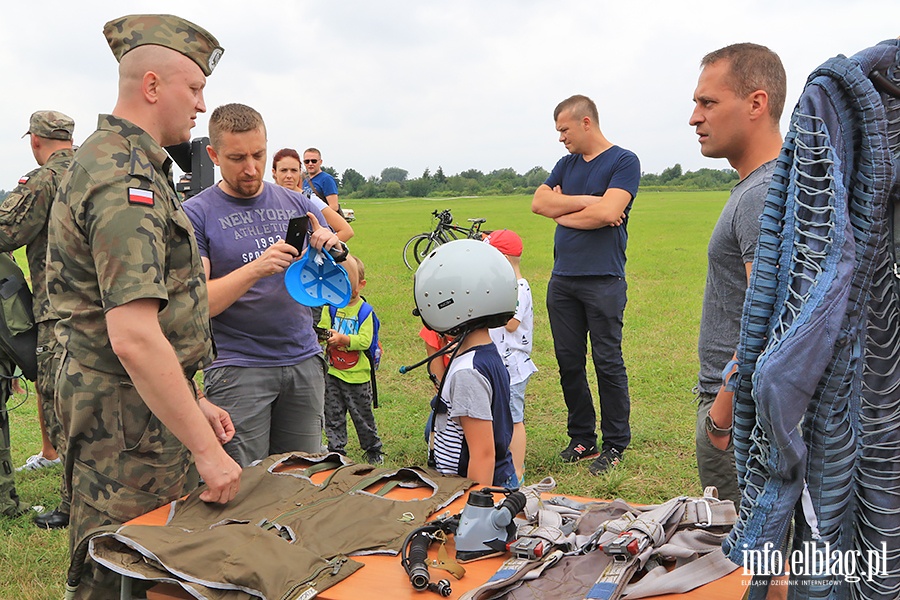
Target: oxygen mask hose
x=416, y=562
x=514, y=503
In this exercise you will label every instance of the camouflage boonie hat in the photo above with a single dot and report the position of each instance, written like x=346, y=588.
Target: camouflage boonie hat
x=51, y=124
x=127, y=33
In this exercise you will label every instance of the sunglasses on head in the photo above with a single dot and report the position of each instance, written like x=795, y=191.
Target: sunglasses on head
x=310, y=161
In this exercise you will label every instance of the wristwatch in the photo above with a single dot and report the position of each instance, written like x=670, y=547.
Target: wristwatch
x=713, y=429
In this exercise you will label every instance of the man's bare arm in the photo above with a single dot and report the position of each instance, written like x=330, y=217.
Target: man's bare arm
x=722, y=409
x=153, y=367
x=608, y=211
x=225, y=291
x=552, y=203
x=339, y=224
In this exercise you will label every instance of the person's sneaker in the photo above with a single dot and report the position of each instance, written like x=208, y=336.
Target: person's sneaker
x=374, y=457
x=37, y=461
x=608, y=459
x=576, y=451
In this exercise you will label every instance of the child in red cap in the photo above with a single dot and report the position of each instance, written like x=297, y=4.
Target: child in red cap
x=514, y=343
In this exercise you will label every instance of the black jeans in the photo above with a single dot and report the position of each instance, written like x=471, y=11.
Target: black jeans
x=578, y=307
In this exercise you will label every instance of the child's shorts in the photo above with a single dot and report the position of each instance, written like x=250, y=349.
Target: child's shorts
x=517, y=400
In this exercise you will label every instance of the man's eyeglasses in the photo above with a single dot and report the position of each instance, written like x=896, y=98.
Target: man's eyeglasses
x=310, y=161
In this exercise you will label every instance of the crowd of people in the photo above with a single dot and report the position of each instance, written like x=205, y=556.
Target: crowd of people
x=132, y=284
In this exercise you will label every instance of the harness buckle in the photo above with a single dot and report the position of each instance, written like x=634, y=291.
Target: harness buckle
x=709, y=515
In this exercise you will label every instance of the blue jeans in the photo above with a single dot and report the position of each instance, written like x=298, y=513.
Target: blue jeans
x=579, y=307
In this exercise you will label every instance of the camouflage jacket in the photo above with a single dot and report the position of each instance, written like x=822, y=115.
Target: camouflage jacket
x=118, y=234
x=23, y=222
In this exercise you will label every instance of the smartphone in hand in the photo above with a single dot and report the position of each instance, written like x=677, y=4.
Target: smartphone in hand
x=296, y=232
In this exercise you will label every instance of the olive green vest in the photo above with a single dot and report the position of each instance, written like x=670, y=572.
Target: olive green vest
x=282, y=536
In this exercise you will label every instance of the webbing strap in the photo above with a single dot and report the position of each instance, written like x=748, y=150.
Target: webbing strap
x=387, y=487
x=551, y=527
x=658, y=580
x=511, y=571
x=612, y=581
x=391, y=483
x=708, y=512
x=443, y=558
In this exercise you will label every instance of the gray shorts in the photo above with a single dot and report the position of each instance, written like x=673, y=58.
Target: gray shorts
x=517, y=400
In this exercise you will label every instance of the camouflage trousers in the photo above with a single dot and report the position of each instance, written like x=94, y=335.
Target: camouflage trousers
x=120, y=460
x=356, y=398
x=48, y=351
x=9, y=498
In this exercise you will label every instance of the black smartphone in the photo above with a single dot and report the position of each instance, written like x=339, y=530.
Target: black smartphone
x=296, y=232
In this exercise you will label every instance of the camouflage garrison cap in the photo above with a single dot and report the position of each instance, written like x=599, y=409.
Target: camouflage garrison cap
x=51, y=124
x=127, y=33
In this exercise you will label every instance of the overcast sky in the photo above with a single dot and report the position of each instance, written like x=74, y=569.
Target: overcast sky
x=421, y=84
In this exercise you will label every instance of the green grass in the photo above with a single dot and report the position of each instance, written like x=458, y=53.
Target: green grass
x=668, y=234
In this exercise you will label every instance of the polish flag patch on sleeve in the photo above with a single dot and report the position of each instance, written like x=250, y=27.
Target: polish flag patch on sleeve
x=139, y=196
x=23, y=180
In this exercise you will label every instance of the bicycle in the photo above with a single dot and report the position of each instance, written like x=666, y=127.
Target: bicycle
x=420, y=245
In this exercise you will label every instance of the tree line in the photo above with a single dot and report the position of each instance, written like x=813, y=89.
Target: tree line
x=394, y=182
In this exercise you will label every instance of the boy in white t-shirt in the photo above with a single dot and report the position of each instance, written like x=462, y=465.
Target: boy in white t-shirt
x=514, y=344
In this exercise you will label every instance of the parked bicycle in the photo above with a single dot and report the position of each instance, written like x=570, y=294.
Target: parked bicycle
x=420, y=245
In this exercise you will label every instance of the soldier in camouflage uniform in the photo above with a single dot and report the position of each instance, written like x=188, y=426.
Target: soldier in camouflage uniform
x=125, y=277
x=10, y=505
x=23, y=222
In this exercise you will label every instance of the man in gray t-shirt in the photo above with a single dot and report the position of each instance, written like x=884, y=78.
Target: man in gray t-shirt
x=737, y=104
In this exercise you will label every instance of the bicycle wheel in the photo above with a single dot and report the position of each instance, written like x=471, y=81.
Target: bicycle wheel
x=410, y=258
x=424, y=246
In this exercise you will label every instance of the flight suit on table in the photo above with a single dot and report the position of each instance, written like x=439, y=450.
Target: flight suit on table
x=118, y=234
x=283, y=535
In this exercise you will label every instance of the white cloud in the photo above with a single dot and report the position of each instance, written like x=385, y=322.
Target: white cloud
x=467, y=84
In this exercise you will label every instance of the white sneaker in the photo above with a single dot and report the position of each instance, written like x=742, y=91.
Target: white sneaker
x=37, y=461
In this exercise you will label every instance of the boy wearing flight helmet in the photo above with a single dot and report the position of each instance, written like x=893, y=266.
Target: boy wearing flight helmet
x=464, y=288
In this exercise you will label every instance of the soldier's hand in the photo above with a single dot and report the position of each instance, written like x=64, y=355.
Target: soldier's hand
x=219, y=420
x=221, y=475
x=321, y=237
x=275, y=259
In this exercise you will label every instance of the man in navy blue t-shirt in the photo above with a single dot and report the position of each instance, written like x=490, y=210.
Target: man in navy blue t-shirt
x=319, y=182
x=589, y=194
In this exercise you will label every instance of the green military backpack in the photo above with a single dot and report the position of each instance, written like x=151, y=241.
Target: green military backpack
x=18, y=332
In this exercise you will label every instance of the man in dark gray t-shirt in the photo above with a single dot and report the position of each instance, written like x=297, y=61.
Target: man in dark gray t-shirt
x=737, y=104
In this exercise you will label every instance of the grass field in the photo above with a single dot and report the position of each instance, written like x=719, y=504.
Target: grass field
x=668, y=233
